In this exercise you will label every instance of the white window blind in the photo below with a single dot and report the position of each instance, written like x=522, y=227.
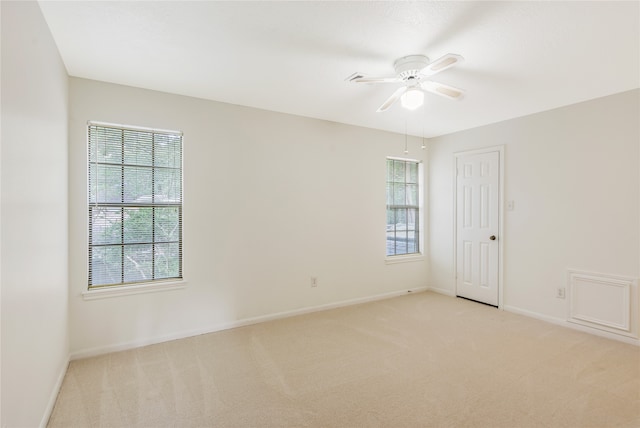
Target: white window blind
x=135, y=205
x=403, y=207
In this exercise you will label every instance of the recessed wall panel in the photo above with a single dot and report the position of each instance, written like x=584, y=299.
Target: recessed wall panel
x=600, y=300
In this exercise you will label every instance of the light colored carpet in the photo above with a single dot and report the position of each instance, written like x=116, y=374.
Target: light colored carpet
x=419, y=360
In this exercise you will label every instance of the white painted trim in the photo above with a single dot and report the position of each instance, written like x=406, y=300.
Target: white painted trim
x=454, y=193
x=500, y=149
x=536, y=315
x=133, y=127
x=91, y=352
x=128, y=290
x=404, y=159
x=391, y=260
x=424, y=206
x=54, y=394
x=573, y=326
x=444, y=291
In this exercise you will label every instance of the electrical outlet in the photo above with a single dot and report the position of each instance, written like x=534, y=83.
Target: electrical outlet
x=314, y=281
x=560, y=293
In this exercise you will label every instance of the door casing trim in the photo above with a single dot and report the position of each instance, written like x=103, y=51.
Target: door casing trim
x=456, y=155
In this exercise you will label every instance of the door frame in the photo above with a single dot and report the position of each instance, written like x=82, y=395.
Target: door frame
x=456, y=155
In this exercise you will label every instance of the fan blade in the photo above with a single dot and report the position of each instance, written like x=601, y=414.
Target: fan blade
x=441, y=64
x=361, y=78
x=442, y=89
x=377, y=80
x=392, y=99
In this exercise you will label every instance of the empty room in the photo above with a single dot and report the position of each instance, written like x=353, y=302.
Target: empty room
x=320, y=213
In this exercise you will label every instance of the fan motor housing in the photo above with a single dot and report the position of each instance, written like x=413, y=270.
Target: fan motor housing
x=408, y=67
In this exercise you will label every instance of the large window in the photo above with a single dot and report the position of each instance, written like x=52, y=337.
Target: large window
x=135, y=205
x=403, y=207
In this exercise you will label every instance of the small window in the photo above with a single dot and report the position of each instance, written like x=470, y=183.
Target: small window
x=403, y=207
x=135, y=205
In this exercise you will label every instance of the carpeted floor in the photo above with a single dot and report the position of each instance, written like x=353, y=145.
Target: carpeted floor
x=421, y=360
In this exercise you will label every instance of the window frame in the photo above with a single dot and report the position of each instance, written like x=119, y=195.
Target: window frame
x=148, y=284
x=418, y=255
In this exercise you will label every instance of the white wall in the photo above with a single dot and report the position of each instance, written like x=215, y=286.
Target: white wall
x=573, y=175
x=269, y=200
x=34, y=218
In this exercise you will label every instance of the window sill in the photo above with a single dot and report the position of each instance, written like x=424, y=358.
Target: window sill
x=127, y=290
x=391, y=260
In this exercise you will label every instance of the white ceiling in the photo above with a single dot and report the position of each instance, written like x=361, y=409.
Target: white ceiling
x=293, y=57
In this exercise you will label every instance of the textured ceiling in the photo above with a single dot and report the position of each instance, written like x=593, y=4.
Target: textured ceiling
x=293, y=57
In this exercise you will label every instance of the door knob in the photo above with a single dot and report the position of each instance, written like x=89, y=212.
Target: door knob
x=492, y=237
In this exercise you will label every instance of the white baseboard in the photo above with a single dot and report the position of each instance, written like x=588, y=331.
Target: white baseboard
x=92, y=352
x=444, y=291
x=565, y=323
x=54, y=394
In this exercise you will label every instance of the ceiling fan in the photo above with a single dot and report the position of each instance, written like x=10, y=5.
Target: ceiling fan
x=414, y=71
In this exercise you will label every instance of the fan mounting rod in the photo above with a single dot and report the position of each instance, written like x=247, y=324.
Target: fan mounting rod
x=408, y=67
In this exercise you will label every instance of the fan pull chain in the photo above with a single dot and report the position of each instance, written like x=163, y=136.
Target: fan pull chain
x=425, y=119
x=406, y=149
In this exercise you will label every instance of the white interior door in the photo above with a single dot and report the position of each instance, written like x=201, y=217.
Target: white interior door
x=477, y=226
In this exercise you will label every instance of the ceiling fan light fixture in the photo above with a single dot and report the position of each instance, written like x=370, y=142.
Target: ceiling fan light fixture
x=414, y=72
x=412, y=98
